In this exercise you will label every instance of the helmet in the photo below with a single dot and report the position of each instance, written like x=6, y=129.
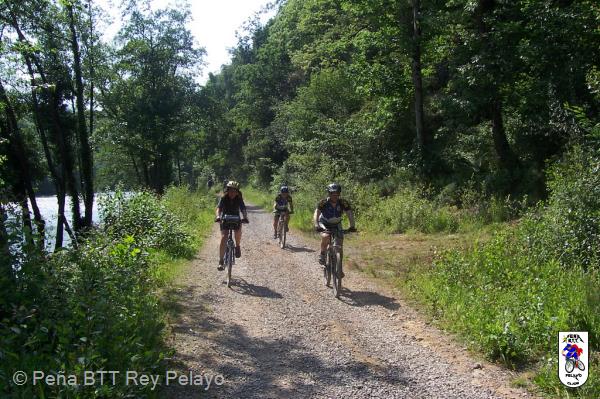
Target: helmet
x=334, y=188
x=284, y=189
x=232, y=184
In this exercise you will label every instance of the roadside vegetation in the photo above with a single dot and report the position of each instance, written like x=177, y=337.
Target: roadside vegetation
x=469, y=125
x=503, y=277
x=98, y=307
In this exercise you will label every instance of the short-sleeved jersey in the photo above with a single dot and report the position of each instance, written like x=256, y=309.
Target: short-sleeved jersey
x=328, y=210
x=280, y=201
x=233, y=206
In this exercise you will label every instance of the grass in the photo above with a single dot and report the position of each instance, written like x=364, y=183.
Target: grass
x=195, y=210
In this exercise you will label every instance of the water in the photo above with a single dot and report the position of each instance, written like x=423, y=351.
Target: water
x=49, y=210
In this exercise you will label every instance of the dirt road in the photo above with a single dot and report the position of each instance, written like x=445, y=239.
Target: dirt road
x=278, y=332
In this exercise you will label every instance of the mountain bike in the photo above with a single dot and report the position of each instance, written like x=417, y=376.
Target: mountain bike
x=230, y=223
x=572, y=362
x=333, y=259
x=282, y=224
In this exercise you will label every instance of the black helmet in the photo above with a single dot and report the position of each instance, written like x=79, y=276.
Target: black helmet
x=334, y=188
x=284, y=189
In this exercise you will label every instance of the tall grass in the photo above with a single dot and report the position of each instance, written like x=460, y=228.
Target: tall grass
x=511, y=296
x=405, y=210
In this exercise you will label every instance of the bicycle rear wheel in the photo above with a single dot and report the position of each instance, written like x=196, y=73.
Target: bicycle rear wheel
x=337, y=274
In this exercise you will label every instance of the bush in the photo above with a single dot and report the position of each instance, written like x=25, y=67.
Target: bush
x=86, y=309
x=513, y=294
x=97, y=307
x=143, y=216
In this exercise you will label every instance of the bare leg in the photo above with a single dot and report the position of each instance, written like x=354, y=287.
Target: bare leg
x=238, y=236
x=324, y=242
x=222, y=244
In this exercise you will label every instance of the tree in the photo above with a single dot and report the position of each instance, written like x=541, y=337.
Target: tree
x=150, y=89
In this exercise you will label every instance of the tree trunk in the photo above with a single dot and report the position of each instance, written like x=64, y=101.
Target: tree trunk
x=4, y=247
x=60, y=220
x=27, y=228
x=178, y=169
x=85, y=149
x=67, y=165
x=22, y=165
x=423, y=139
x=135, y=167
x=507, y=157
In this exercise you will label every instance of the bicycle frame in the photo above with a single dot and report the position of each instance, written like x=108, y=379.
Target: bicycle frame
x=229, y=256
x=333, y=262
x=282, y=227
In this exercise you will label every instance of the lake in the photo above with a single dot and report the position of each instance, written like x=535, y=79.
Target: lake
x=49, y=210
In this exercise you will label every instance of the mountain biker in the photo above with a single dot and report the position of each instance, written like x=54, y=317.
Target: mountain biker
x=283, y=199
x=572, y=351
x=328, y=215
x=230, y=203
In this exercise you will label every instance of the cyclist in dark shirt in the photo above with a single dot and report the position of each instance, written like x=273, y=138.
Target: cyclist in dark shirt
x=283, y=199
x=231, y=203
x=329, y=214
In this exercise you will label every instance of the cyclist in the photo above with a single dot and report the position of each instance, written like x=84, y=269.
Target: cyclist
x=281, y=200
x=572, y=351
x=329, y=214
x=230, y=203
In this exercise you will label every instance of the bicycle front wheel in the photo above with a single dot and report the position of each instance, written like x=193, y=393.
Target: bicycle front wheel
x=569, y=365
x=580, y=365
x=327, y=269
x=282, y=236
x=230, y=256
x=337, y=274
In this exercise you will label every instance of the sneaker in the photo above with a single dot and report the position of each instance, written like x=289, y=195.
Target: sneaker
x=238, y=252
x=220, y=267
x=322, y=258
x=274, y=236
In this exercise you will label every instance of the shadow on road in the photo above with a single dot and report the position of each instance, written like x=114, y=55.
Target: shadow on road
x=256, y=367
x=299, y=249
x=368, y=298
x=243, y=287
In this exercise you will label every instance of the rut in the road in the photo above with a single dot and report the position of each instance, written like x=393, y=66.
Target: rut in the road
x=279, y=332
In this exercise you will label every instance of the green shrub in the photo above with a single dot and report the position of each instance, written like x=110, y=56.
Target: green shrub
x=512, y=295
x=143, y=216
x=85, y=309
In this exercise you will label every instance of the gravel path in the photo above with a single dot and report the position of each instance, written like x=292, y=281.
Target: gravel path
x=278, y=332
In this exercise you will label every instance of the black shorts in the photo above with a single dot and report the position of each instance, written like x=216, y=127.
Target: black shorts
x=224, y=228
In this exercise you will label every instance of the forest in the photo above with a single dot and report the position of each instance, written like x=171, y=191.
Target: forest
x=434, y=115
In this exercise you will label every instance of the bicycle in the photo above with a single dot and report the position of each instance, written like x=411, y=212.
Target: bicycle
x=282, y=224
x=572, y=362
x=231, y=223
x=334, y=255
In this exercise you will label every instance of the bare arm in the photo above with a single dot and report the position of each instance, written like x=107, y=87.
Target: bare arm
x=350, y=218
x=316, y=217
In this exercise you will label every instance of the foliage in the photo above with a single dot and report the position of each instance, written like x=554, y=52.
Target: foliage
x=512, y=295
x=143, y=216
x=96, y=307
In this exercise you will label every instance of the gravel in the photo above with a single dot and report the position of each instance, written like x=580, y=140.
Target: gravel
x=278, y=332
